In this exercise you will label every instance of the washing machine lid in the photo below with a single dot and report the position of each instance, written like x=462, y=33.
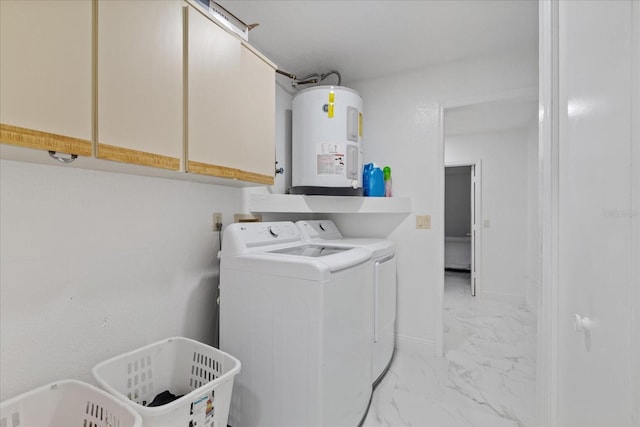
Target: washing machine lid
x=378, y=247
x=312, y=251
x=276, y=248
x=325, y=232
x=318, y=268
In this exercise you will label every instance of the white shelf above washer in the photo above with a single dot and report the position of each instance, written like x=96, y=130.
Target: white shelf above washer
x=291, y=203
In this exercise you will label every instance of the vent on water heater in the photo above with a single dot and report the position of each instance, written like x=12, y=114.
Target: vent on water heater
x=327, y=142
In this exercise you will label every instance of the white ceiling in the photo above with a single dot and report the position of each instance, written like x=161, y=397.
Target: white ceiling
x=370, y=38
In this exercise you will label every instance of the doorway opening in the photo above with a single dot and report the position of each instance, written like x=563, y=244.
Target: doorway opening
x=495, y=137
x=460, y=242
x=488, y=230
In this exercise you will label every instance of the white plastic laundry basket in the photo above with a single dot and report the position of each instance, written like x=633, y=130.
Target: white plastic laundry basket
x=202, y=374
x=67, y=403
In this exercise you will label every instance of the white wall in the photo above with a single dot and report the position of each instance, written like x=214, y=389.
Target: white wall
x=504, y=204
x=401, y=129
x=95, y=264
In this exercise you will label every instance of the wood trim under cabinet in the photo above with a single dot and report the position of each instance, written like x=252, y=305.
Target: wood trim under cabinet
x=127, y=155
x=31, y=138
x=230, y=173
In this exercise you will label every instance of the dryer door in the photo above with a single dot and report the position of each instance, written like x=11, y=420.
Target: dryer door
x=384, y=317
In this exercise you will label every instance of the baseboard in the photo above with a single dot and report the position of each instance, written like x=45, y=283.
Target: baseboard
x=498, y=296
x=415, y=345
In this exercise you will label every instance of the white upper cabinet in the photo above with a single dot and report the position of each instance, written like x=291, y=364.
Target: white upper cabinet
x=231, y=105
x=45, y=75
x=140, y=82
x=153, y=83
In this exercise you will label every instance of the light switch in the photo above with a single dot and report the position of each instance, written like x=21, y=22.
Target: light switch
x=487, y=223
x=423, y=222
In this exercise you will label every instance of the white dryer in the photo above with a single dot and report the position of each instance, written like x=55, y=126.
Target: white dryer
x=292, y=313
x=382, y=280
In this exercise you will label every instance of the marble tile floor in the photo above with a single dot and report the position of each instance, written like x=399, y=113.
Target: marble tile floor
x=487, y=377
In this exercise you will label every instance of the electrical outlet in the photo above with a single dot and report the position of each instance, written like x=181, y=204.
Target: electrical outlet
x=217, y=219
x=423, y=222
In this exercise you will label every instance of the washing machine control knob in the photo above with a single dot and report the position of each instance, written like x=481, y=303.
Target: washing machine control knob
x=274, y=231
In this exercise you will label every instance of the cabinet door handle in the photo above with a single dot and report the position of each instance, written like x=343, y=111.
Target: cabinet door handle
x=62, y=158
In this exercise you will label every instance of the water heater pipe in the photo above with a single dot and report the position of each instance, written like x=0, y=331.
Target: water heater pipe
x=314, y=78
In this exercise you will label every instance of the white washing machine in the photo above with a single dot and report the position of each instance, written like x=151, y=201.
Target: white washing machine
x=383, y=282
x=292, y=313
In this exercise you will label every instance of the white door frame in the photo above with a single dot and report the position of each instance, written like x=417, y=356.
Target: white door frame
x=527, y=93
x=635, y=207
x=548, y=140
x=476, y=238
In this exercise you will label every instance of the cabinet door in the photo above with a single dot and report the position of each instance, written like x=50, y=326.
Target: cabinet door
x=45, y=75
x=223, y=125
x=257, y=114
x=140, y=60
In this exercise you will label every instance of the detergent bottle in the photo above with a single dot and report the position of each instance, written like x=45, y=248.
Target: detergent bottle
x=366, y=173
x=376, y=182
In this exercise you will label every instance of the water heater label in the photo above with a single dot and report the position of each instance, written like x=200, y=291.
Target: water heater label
x=328, y=160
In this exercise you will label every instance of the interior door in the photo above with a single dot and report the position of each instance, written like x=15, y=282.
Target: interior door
x=473, y=230
x=596, y=219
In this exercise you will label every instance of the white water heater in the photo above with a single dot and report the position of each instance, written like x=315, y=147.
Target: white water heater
x=327, y=142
